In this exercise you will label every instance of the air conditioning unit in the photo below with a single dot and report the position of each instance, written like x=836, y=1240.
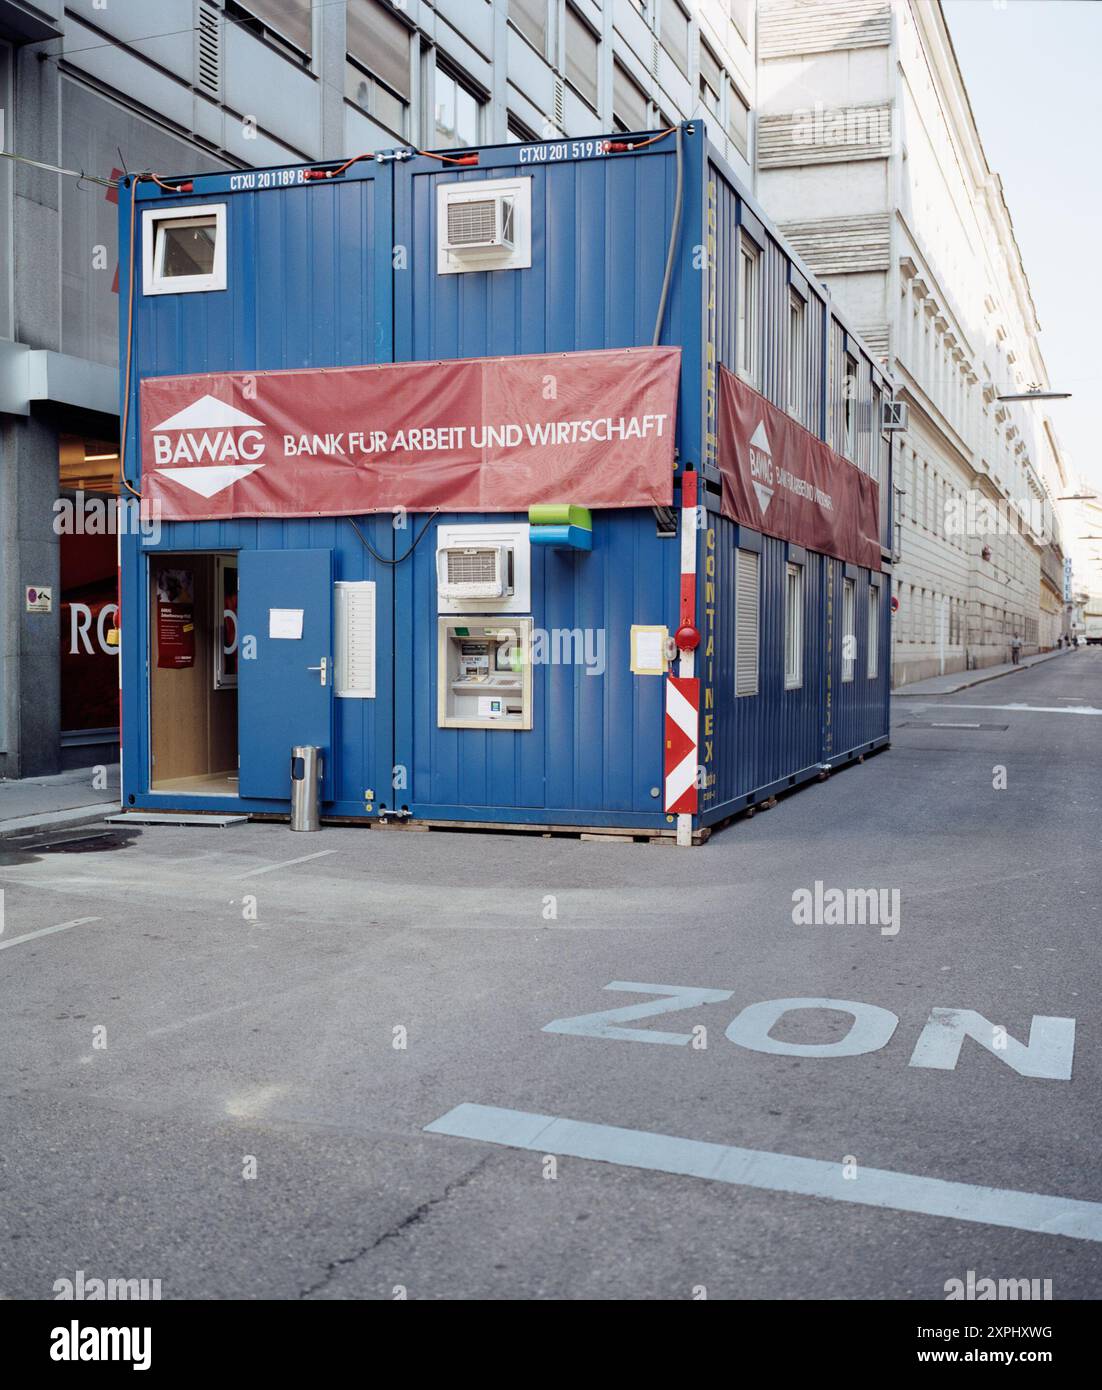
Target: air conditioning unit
x=484, y=224
x=472, y=571
x=480, y=226
x=893, y=416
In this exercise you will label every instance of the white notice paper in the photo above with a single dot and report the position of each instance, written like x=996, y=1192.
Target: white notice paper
x=285, y=622
x=650, y=651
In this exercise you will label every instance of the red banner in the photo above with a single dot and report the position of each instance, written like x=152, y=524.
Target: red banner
x=778, y=478
x=484, y=434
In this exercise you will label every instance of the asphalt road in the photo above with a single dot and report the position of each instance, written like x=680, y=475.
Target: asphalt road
x=244, y=1035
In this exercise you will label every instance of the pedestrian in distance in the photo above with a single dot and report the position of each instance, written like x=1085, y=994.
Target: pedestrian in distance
x=1016, y=649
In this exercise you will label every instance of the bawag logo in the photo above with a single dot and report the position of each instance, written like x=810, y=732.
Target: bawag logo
x=218, y=445
x=76, y=1343
x=761, y=467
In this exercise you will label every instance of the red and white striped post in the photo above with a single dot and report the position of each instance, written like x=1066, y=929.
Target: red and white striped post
x=683, y=690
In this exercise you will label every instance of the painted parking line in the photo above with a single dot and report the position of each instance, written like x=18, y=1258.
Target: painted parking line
x=286, y=864
x=48, y=931
x=773, y=1172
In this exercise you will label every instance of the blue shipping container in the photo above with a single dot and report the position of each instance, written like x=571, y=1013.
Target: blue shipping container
x=226, y=622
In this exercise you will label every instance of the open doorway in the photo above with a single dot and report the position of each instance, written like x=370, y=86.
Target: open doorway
x=193, y=673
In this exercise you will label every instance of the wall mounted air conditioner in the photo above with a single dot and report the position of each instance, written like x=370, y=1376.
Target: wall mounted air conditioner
x=893, y=416
x=472, y=571
x=484, y=224
x=476, y=226
x=483, y=567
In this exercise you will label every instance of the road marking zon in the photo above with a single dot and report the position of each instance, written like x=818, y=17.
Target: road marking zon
x=1048, y=1055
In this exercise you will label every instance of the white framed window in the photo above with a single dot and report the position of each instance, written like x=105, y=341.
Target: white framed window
x=793, y=626
x=354, y=644
x=184, y=249
x=874, y=633
x=747, y=609
x=797, y=357
x=849, y=407
x=749, y=310
x=849, y=636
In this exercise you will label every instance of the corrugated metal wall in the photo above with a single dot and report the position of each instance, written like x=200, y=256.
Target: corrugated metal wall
x=345, y=272
x=600, y=231
x=754, y=746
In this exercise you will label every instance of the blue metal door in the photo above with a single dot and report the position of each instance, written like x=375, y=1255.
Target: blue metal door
x=285, y=686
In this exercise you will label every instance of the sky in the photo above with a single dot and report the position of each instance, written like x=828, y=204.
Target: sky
x=1033, y=70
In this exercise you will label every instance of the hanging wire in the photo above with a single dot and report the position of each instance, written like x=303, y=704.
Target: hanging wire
x=382, y=558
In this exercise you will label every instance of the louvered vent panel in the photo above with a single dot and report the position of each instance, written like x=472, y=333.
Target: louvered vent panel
x=208, y=60
x=472, y=566
x=747, y=606
x=471, y=224
x=354, y=604
x=787, y=27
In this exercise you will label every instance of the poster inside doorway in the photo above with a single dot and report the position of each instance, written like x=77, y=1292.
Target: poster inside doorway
x=175, y=619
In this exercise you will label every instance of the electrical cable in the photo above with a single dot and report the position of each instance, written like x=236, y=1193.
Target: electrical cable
x=674, y=231
x=382, y=558
x=57, y=169
x=129, y=345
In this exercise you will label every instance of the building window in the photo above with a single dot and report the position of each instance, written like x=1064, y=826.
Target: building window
x=797, y=357
x=849, y=407
x=711, y=80
x=285, y=19
x=517, y=132
x=629, y=102
x=457, y=112
x=874, y=633
x=184, y=249
x=377, y=75
x=581, y=57
x=738, y=120
x=876, y=434
x=849, y=637
x=675, y=34
x=749, y=316
x=747, y=603
x=530, y=17
x=793, y=627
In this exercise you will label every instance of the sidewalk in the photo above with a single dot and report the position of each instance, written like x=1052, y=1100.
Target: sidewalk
x=33, y=802
x=962, y=680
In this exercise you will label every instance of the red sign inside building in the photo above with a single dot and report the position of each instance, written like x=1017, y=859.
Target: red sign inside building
x=485, y=434
x=779, y=479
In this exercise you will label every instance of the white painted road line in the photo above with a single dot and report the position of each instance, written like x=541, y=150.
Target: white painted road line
x=48, y=931
x=1032, y=709
x=773, y=1172
x=271, y=868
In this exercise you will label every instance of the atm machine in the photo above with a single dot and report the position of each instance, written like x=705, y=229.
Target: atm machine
x=484, y=671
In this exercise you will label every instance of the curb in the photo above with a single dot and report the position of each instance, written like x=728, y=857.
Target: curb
x=45, y=820
x=904, y=694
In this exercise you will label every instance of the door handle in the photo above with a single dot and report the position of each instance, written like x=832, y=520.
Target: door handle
x=323, y=668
